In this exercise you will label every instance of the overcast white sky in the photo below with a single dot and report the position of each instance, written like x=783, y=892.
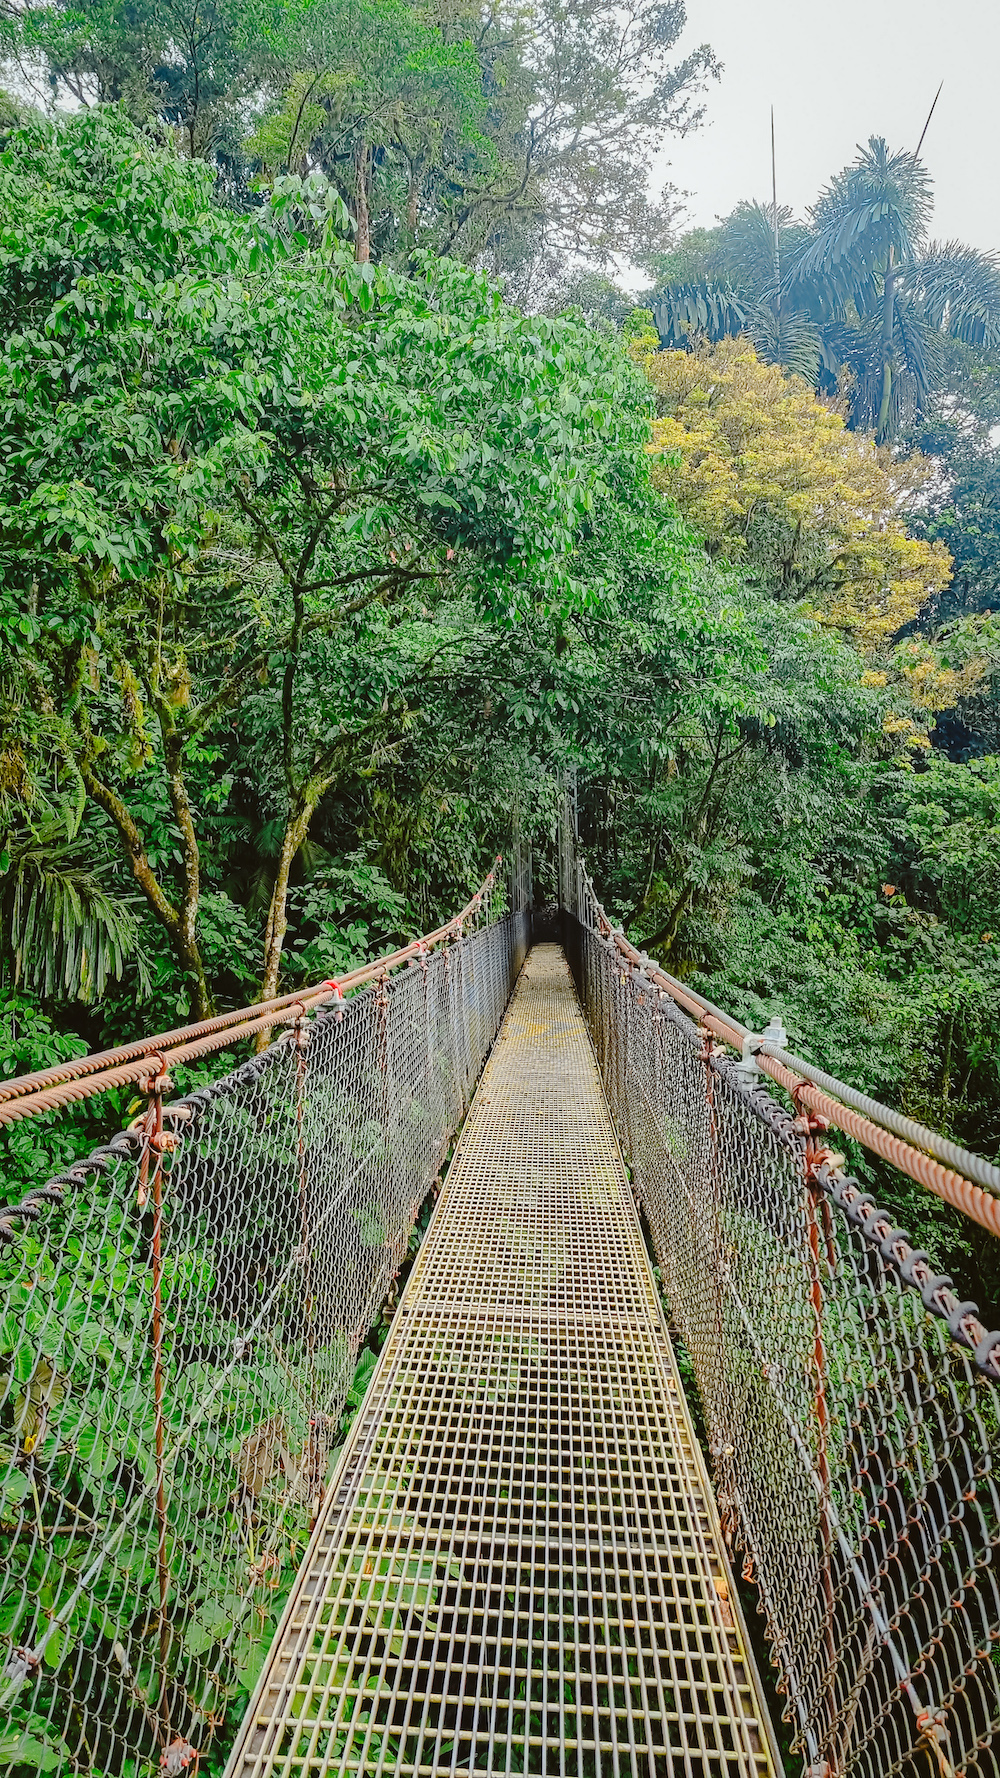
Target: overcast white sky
x=837, y=73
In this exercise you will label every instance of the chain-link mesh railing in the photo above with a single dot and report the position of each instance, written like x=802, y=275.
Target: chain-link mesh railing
x=851, y=1403
x=180, y=1317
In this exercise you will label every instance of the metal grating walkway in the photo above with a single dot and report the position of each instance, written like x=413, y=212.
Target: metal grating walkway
x=518, y=1566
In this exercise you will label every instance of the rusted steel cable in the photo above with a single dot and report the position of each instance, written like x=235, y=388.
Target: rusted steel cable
x=962, y=1160
x=98, y=1060
x=855, y=1441
x=31, y=1095
x=961, y=1193
x=895, y=1138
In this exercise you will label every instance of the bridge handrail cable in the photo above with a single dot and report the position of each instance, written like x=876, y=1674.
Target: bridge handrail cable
x=31, y=1095
x=850, y=1399
x=911, y=1147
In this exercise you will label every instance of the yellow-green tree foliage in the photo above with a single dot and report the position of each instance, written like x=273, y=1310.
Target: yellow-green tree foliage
x=773, y=478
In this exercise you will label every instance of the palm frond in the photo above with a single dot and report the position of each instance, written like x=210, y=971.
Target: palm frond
x=872, y=215
x=744, y=252
x=879, y=189
x=835, y=341
x=958, y=291
x=62, y=931
x=916, y=345
x=686, y=313
x=835, y=268
x=683, y=312
x=856, y=348
x=789, y=339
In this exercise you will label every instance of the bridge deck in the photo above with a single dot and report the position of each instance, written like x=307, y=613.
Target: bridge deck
x=518, y=1566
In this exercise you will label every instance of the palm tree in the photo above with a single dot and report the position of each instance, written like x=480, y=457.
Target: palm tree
x=63, y=931
x=740, y=290
x=861, y=292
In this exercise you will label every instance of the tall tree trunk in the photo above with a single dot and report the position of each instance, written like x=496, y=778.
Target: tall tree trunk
x=888, y=315
x=663, y=938
x=178, y=924
x=296, y=828
x=190, y=862
x=363, y=240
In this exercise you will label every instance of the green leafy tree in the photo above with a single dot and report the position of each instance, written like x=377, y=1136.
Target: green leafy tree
x=582, y=95
x=959, y=430
x=299, y=446
x=191, y=64
x=509, y=137
x=961, y=509
x=377, y=96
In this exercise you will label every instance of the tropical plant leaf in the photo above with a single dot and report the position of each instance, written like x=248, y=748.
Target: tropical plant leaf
x=362, y=1377
x=958, y=292
x=34, y=1746
x=62, y=930
x=788, y=339
x=686, y=311
x=871, y=215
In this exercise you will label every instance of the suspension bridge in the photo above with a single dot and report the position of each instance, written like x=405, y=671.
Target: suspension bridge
x=521, y=1554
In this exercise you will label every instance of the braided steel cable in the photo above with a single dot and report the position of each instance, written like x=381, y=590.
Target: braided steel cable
x=181, y=1315
x=965, y=1180
x=958, y=1159
x=30, y=1095
x=851, y=1399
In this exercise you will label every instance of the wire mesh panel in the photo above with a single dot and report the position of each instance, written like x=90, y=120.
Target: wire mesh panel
x=181, y=1316
x=518, y=1568
x=854, y=1434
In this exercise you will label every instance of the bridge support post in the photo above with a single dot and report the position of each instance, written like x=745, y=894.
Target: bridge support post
x=300, y=1041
